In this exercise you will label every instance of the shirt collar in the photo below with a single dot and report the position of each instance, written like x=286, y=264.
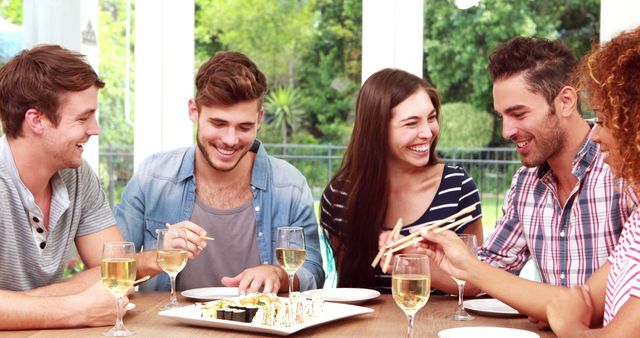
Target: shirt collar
x=583, y=159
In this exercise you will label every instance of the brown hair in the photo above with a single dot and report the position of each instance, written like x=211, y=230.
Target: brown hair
x=365, y=169
x=36, y=78
x=228, y=78
x=548, y=65
x=611, y=75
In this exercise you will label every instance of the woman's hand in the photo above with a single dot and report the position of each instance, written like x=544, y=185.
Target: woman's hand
x=449, y=252
x=571, y=311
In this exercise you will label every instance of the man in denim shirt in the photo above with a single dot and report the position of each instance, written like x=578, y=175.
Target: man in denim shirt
x=241, y=197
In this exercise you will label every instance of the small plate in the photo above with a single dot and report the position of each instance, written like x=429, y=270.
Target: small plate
x=491, y=307
x=130, y=306
x=345, y=295
x=486, y=332
x=211, y=293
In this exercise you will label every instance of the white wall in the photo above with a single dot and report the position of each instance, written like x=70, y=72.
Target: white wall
x=72, y=24
x=617, y=16
x=164, y=68
x=392, y=36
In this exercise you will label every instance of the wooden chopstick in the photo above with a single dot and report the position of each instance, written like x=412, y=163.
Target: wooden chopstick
x=454, y=224
x=432, y=226
x=143, y=279
x=394, y=232
x=419, y=239
x=394, y=236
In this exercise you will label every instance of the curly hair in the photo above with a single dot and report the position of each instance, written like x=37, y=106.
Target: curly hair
x=610, y=74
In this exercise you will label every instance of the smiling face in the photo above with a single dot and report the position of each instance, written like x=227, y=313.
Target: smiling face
x=528, y=120
x=65, y=143
x=225, y=133
x=412, y=129
x=608, y=144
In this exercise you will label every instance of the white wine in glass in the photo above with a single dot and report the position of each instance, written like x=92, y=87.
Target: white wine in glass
x=118, y=274
x=411, y=285
x=290, y=251
x=461, y=314
x=172, y=258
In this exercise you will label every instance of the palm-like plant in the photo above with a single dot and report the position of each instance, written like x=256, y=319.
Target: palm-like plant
x=283, y=107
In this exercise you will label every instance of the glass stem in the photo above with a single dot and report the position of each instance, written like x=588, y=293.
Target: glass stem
x=291, y=275
x=460, y=297
x=410, y=325
x=173, y=290
x=119, y=324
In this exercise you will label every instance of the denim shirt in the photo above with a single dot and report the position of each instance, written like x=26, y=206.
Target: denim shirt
x=163, y=190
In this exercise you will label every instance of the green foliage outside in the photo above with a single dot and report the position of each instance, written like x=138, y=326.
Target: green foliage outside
x=464, y=126
x=11, y=10
x=282, y=106
x=458, y=42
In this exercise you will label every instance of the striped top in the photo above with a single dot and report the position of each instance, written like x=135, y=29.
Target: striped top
x=624, y=277
x=32, y=255
x=455, y=192
x=567, y=242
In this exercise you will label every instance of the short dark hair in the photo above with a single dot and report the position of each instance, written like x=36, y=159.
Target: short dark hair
x=228, y=78
x=547, y=65
x=37, y=78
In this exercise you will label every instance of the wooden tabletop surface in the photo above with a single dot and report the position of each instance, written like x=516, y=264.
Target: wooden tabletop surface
x=386, y=321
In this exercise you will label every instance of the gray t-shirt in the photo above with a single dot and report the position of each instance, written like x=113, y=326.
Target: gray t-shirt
x=33, y=254
x=234, y=249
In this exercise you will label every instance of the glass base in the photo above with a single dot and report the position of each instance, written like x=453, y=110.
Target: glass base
x=461, y=316
x=170, y=306
x=119, y=332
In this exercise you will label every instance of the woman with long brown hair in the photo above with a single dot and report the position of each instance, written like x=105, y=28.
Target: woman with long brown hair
x=391, y=171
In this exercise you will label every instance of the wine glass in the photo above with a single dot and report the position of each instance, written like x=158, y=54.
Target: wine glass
x=290, y=251
x=118, y=274
x=460, y=314
x=411, y=285
x=172, y=258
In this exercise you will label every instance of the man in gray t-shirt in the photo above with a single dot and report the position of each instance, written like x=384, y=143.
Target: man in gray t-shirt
x=49, y=197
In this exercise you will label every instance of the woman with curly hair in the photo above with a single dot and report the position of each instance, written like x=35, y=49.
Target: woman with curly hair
x=611, y=76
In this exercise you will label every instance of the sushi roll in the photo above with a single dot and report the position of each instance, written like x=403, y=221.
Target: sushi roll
x=239, y=315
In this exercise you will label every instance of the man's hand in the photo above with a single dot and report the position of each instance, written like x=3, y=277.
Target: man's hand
x=97, y=306
x=195, y=243
x=265, y=277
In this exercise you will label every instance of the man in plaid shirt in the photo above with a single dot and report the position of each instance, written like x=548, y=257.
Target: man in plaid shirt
x=564, y=208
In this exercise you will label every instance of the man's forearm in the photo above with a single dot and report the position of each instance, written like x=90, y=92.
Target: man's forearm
x=146, y=264
x=71, y=286
x=21, y=311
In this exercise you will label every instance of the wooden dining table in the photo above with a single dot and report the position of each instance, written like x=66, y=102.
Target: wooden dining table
x=387, y=320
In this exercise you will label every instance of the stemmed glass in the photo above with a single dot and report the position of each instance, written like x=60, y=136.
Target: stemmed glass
x=290, y=251
x=118, y=274
x=411, y=285
x=172, y=258
x=460, y=314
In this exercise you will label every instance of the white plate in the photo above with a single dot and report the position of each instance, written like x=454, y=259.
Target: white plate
x=332, y=311
x=130, y=306
x=491, y=307
x=211, y=293
x=486, y=332
x=345, y=295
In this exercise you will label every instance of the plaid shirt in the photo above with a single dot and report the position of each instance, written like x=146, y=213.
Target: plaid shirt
x=567, y=243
